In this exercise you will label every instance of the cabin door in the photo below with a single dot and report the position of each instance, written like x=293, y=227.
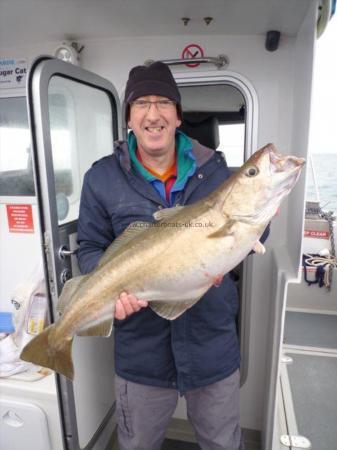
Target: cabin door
x=74, y=121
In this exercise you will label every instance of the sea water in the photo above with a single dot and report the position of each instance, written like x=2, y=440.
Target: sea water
x=325, y=168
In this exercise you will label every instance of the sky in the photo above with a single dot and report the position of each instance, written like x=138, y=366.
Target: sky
x=323, y=128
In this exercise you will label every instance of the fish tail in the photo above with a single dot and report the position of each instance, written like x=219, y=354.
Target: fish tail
x=41, y=351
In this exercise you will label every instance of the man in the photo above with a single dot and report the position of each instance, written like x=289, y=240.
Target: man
x=196, y=355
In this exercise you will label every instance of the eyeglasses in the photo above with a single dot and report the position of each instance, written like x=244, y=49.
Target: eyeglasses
x=144, y=105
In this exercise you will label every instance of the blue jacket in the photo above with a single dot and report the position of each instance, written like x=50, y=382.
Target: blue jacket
x=201, y=346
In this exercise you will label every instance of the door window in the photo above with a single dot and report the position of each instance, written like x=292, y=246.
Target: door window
x=215, y=115
x=232, y=143
x=16, y=173
x=81, y=133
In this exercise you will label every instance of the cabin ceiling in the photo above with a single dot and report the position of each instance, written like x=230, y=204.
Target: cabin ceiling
x=31, y=22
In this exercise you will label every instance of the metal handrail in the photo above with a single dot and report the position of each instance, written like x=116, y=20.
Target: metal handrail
x=220, y=61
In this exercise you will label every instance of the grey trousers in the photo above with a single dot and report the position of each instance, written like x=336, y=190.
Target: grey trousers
x=144, y=412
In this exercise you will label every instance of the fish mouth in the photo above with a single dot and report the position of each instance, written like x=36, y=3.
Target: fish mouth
x=281, y=163
x=284, y=171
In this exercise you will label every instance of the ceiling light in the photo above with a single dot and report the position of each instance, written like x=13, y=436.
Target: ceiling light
x=68, y=52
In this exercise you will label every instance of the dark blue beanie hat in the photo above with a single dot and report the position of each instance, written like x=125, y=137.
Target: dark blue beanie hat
x=155, y=79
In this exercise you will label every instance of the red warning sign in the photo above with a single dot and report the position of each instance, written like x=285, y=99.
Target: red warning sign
x=20, y=218
x=317, y=234
x=192, y=51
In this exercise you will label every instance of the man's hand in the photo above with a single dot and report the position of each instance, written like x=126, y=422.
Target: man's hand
x=128, y=304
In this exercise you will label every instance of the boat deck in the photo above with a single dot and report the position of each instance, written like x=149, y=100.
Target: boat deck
x=171, y=444
x=311, y=341
x=313, y=385
x=311, y=330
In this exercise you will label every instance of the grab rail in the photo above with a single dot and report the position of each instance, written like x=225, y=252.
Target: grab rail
x=220, y=61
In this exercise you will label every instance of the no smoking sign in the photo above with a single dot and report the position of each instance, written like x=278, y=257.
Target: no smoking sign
x=192, y=51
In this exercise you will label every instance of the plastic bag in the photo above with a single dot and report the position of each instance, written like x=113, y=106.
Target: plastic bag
x=29, y=318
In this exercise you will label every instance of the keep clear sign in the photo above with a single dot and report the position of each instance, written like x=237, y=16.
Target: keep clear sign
x=12, y=72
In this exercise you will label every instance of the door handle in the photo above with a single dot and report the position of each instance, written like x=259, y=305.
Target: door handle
x=64, y=251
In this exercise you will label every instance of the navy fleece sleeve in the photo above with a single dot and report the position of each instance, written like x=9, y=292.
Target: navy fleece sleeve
x=94, y=233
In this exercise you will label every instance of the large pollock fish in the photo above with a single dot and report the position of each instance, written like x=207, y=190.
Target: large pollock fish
x=174, y=261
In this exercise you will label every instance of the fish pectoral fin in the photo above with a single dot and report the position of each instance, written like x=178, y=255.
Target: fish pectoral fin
x=102, y=329
x=133, y=230
x=167, y=213
x=68, y=291
x=172, y=310
x=225, y=230
x=258, y=247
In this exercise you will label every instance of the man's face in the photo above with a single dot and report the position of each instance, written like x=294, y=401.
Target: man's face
x=154, y=127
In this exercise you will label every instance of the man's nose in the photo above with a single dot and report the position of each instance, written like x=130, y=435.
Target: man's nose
x=153, y=111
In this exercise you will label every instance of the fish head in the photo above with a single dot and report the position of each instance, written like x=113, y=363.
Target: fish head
x=260, y=185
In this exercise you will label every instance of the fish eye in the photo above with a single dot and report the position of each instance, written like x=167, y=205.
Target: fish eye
x=252, y=171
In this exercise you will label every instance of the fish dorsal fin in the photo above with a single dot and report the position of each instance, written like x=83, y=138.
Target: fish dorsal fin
x=102, y=329
x=172, y=310
x=167, y=213
x=225, y=230
x=134, y=229
x=68, y=292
